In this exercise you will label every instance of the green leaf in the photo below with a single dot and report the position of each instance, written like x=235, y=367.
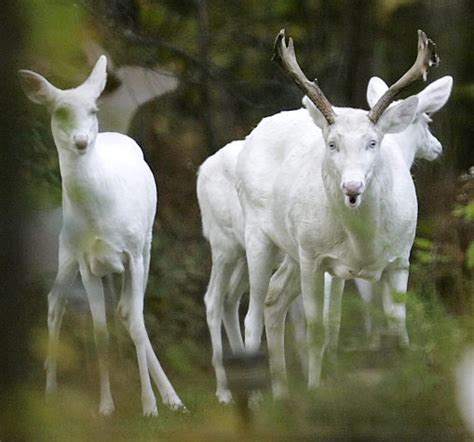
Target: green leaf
x=423, y=243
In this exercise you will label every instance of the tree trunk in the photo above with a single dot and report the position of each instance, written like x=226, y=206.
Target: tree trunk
x=204, y=38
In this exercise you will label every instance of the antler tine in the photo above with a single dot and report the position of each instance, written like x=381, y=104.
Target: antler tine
x=285, y=57
x=426, y=58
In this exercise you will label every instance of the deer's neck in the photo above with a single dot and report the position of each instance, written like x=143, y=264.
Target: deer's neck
x=81, y=179
x=405, y=144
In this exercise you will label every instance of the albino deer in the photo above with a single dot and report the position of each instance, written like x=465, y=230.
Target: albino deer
x=223, y=224
x=342, y=202
x=416, y=141
x=223, y=227
x=133, y=87
x=109, y=204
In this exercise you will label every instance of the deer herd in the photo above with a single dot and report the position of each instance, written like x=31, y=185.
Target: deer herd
x=309, y=199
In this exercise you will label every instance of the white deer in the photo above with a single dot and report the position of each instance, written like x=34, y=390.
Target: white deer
x=223, y=227
x=223, y=224
x=343, y=203
x=416, y=141
x=134, y=86
x=109, y=204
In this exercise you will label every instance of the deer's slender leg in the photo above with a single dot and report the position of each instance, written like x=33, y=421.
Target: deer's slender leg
x=214, y=299
x=260, y=257
x=130, y=309
x=95, y=295
x=312, y=289
x=167, y=392
x=366, y=291
x=67, y=272
x=281, y=293
x=396, y=282
x=239, y=284
x=332, y=320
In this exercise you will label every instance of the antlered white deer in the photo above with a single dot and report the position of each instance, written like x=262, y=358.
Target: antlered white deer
x=109, y=204
x=415, y=141
x=223, y=222
x=342, y=203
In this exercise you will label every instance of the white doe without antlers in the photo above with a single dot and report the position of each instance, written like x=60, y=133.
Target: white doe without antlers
x=223, y=227
x=109, y=204
x=348, y=208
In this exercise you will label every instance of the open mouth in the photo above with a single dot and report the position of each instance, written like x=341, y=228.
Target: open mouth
x=352, y=201
x=81, y=148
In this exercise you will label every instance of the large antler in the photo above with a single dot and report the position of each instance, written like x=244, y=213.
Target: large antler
x=426, y=58
x=285, y=57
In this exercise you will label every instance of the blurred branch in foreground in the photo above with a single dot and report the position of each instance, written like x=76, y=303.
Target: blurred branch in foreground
x=14, y=317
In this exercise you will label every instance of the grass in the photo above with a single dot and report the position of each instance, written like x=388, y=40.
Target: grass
x=391, y=395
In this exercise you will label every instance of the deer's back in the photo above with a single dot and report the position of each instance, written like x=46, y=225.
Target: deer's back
x=221, y=212
x=264, y=154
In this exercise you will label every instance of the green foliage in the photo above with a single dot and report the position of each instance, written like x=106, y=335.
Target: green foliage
x=390, y=395
x=426, y=252
x=465, y=212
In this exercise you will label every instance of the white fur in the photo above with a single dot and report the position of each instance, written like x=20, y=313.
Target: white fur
x=109, y=203
x=416, y=141
x=293, y=188
x=223, y=226
x=465, y=388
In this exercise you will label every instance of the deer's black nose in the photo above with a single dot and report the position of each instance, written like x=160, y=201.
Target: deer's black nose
x=81, y=141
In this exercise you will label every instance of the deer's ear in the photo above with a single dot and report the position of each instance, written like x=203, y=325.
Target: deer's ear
x=315, y=113
x=396, y=118
x=375, y=89
x=37, y=88
x=434, y=96
x=98, y=77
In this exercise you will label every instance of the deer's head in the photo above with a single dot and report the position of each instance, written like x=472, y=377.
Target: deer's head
x=352, y=136
x=73, y=111
x=430, y=100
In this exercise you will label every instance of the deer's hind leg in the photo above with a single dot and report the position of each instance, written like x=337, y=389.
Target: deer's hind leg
x=167, y=392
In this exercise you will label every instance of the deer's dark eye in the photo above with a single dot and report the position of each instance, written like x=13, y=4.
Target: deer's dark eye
x=332, y=145
x=372, y=144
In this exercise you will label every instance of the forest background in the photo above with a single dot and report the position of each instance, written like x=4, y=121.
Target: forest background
x=219, y=52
